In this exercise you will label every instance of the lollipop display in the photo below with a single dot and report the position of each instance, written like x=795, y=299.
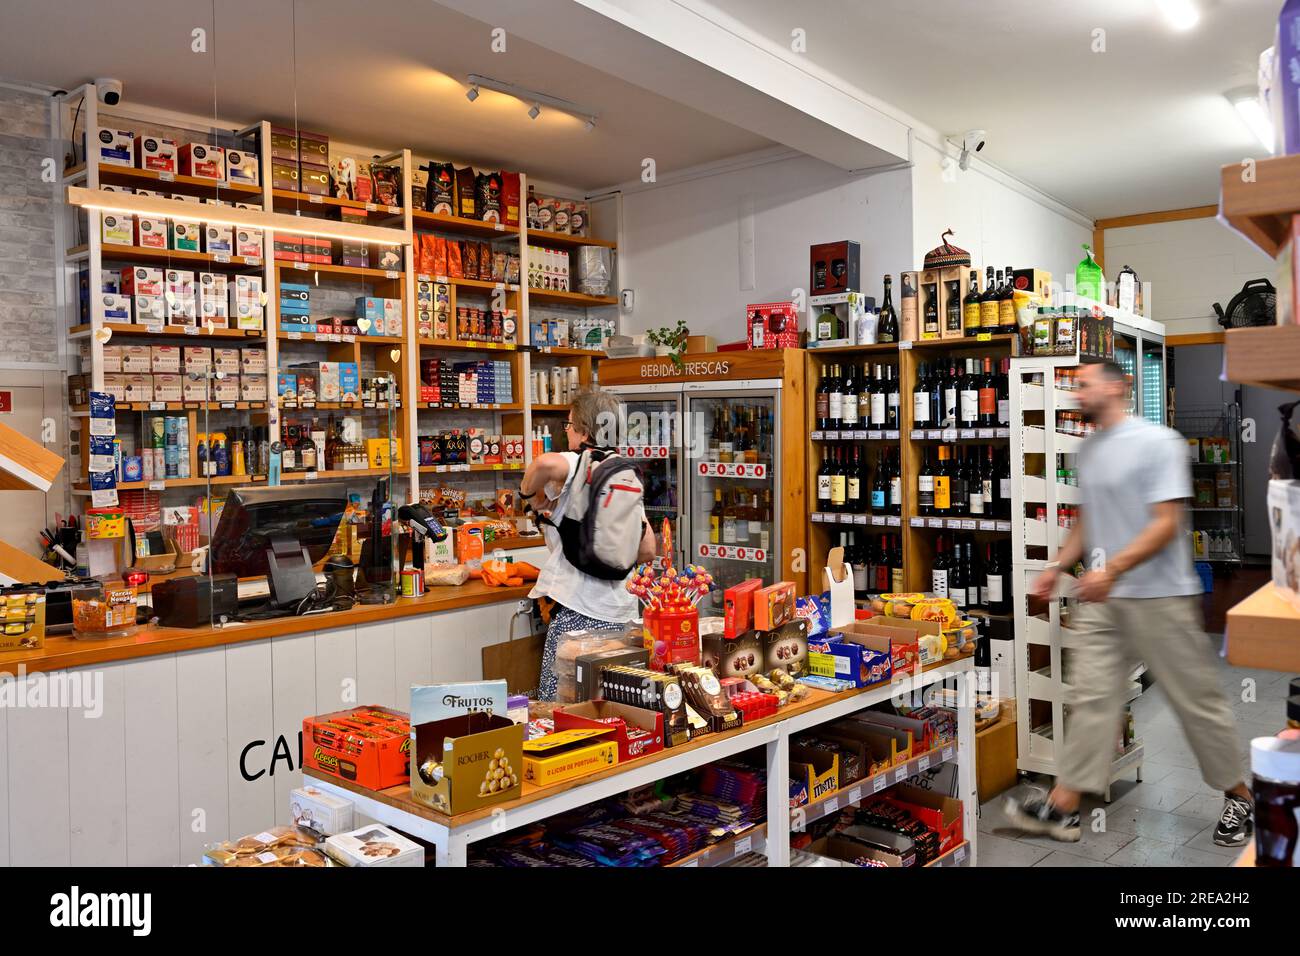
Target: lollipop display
x=670, y=599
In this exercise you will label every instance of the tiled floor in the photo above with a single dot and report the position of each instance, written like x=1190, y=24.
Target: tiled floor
x=1167, y=819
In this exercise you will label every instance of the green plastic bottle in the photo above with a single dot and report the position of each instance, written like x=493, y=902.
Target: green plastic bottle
x=1088, y=280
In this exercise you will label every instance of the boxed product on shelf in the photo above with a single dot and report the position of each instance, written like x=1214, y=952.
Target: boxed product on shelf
x=138, y=388
x=772, y=325
x=737, y=656
x=774, y=605
x=308, y=382
x=114, y=147
x=846, y=852
x=167, y=387
x=213, y=299
x=355, y=254
x=368, y=746
x=286, y=386
x=322, y=812
x=225, y=389
x=186, y=236
x=248, y=242
x=115, y=385
x=316, y=249
x=141, y=280
x=228, y=359
x=942, y=814
x=251, y=361
x=1284, y=525
x=137, y=359
x=313, y=147
x=284, y=173
x=834, y=267
x=116, y=308
x=194, y=390
x=328, y=381
x=817, y=770
x=287, y=248
x=117, y=228
x=22, y=611
x=566, y=754
x=112, y=362
x=241, y=167
x=165, y=358
x=314, y=179
x=785, y=647
x=637, y=731
x=349, y=382
x=252, y=388
x=374, y=845
x=150, y=310
x=151, y=232
x=202, y=161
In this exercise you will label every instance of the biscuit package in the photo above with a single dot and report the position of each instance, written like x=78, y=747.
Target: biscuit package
x=374, y=845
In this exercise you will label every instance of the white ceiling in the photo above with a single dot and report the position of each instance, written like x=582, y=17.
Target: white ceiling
x=383, y=74
x=1143, y=126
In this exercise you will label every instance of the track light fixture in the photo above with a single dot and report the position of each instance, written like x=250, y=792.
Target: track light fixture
x=534, y=98
x=472, y=93
x=534, y=111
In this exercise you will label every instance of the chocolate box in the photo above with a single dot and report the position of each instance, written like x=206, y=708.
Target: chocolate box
x=369, y=746
x=737, y=656
x=467, y=761
x=566, y=754
x=637, y=731
x=785, y=647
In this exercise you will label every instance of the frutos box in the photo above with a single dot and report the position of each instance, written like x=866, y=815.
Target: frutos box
x=368, y=746
x=566, y=754
x=637, y=731
x=467, y=761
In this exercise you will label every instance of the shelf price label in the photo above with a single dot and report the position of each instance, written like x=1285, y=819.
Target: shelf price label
x=157, y=486
x=986, y=433
x=891, y=436
x=969, y=432
x=988, y=526
x=894, y=521
x=900, y=774
x=392, y=274
x=310, y=476
x=832, y=436
x=816, y=436
x=165, y=177
x=879, y=782
x=947, y=753
x=934, y=433
x=860, y=519
x=877, y=519
x=221, y=257
x=743, y=845
x=968, y=524
x=959, y=854
x=302, y=266
x=934, y=522
x=371, y=207
x=923, y=763
x=1002, y=433
x=984, y=337
x=953, y=523
x=855, y=795
x=315, y=200
x=1004, y=526
x=948, y=434
x=830, y=806
x=916, y=522
x=918, y=433
x=905, y=344
x=157, y=406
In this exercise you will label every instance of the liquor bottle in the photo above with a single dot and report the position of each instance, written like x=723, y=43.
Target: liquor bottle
x=839, y=483
x=970, y=397
x=1007, y=304
x=880, y=488
x=823, y=483
x=715, y=518
x=989, y=304
x=835, y=399
x=896, y=565
x=726, y=446
x=853, y=484
x=942, y=484
x=925, y=486
x=921, y=398
x=957, y=579
x=859, y=563
x=1004, y=487
x=822, y=401
x=289, y=452
x=957, y=482
x=849, y=398
x=887, y=328
x=1003, y=386
x=742, y=519
x=997, y=595
x=939, y=570
x=930, y=323
x=728, y=520
x=829, y=325
x=882, y=565
x=951, y=389
x=893, y=398
x=756, y=532
x=765, y=537
x=974, y=485
x=307, y=452
x=988, y=396
x=953, y=310
x=879, y=401
x=937, y=379
x=971, y=306
x=895, y=486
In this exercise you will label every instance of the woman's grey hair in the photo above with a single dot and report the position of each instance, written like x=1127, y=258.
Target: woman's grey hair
x=596, y=413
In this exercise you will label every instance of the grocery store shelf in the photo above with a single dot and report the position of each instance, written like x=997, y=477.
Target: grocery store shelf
x=82, y=487
x=345, y=338
x=957, y=856
x=289, y=199
x=345, y=272
x=852, y=794
x=175, y=183
x=835, y=517
x=468, y=346
x=1261, y=208
x=856, y=434
x=542, y=237
x=565, y=350
x=966, y=523
x=111, y=252
x=552, y=297
x=181, y=331
x=868, y=349
x=983, y=340
x=950, y=435
x=474, y=407
x=397, y=471
x=1263, y=631
x=1268, y=356
x=753, y=840
x=481, y=284
x=425, y=220
x=453, y=469
x=81, y=411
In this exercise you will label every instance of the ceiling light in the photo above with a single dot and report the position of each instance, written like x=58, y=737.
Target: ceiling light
x=471, y=94
x=1252, y=114
x=1179, y=14
x=534, y=98
x=590, y=124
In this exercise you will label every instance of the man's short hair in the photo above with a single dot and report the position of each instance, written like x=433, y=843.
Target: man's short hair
x=1112, y=371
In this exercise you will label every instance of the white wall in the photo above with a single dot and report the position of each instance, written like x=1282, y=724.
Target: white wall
x=997, y=223
x=1190, y=264
x=681, y=247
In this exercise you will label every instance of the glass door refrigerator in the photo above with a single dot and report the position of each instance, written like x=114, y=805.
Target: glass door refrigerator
x=714, y=464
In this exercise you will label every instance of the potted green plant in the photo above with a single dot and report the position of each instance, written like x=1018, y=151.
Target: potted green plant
x=670, y=341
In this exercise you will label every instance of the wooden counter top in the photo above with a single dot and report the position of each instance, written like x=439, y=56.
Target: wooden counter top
x=63, y=651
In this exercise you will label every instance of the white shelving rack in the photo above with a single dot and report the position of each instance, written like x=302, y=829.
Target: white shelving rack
x=1035, y=542
x=770, y=839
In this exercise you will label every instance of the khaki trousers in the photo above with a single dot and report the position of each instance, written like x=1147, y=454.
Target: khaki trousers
x=1109, y=640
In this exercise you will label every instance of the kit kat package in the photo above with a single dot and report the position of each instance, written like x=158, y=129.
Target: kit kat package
x=739, y=603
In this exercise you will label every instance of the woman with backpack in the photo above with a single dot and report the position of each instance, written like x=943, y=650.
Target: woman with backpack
x=590, y=507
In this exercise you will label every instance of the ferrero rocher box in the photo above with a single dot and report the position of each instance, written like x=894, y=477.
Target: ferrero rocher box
x=466, y=762
x=467, y=751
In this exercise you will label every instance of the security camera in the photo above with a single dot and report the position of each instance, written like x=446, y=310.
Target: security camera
x=972, y=141
x=110, y=90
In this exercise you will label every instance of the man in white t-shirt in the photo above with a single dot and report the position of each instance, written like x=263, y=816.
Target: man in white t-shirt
x=582, y=602
x=1139, y=602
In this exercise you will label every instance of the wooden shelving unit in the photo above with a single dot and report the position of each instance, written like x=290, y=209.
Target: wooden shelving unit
x=1263, y=631
x=552, y=297
x=1268, y=356
x=435, y=222
x=290, y=199
x=541, y=237
x=210, y=262
x=176, y=331
x=175, y=183
x=1261, y=209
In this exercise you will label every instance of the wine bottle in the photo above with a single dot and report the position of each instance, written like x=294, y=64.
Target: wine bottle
x=925, y=486
x=887, y=329
x=942, y=484
x=974, y=485
x=971, y=306
x=835, y=400
x=879, y=401
x=839, y=483
x=989, y=303
x=957, y=580
x=880, y=488
x=853, y=484
x=970, y=397
x=988, y=397
x=957, y=482
x=895, y=487
x=951, y=389
x=1004, y=487
x=921, y=398
x=892, y=399
x=822, y=401
x=953, y=310
x=823, y=484
x=849, y=398
x=896, y=565
x=1007, y=304
x=997, y=594
x=939, y=570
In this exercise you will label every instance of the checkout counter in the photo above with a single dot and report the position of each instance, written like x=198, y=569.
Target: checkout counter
x=142, y=748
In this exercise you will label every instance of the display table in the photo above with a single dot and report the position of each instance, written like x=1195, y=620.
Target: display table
x=453, y=834
x=141, y=750
x=1263, y=631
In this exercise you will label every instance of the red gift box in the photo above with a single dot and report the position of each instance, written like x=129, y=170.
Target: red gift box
x=772, y=325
